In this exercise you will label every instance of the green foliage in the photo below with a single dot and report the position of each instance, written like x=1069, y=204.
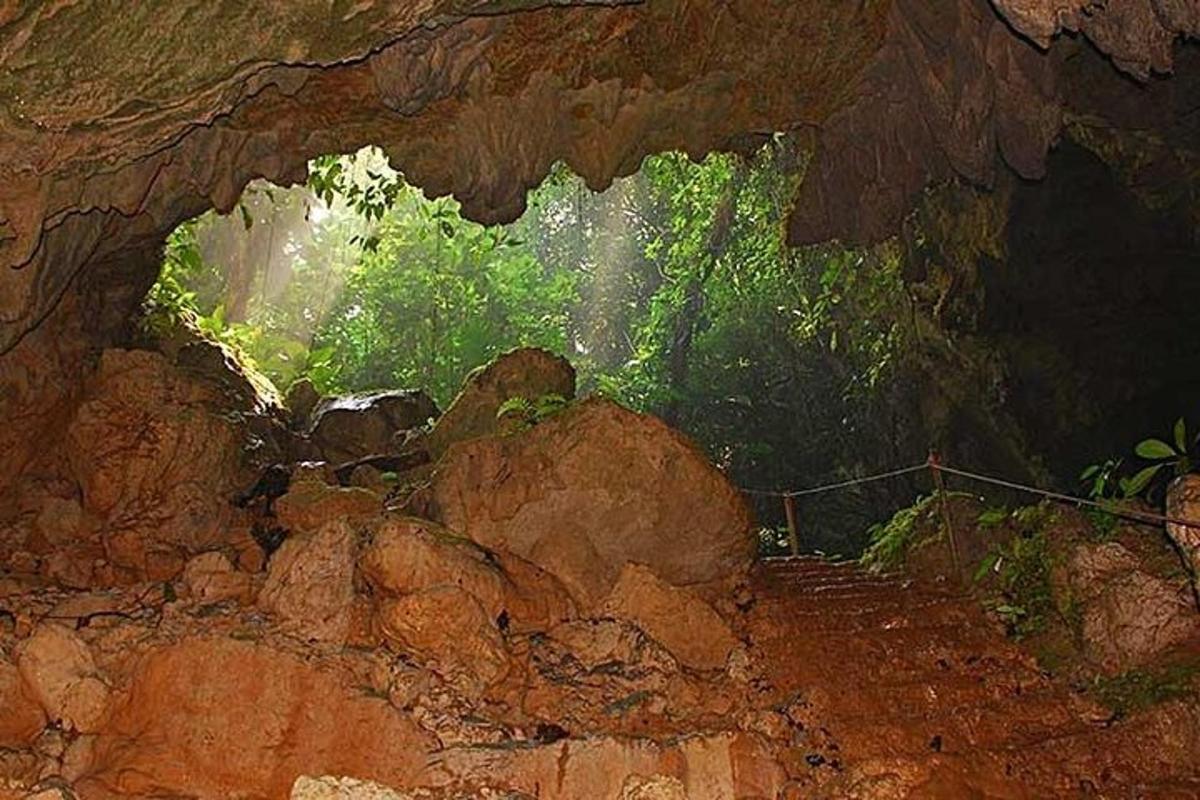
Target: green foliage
x=1137, y=690
x=1168, y=459
x=1021, y=569
x=891, y=541
x=1173, y=457
x=524, y=413
x=1101, y=479
x=1103, y=524
x=674, y=292
x=993, y=517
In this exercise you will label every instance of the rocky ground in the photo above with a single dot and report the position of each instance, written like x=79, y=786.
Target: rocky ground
x=199, y=600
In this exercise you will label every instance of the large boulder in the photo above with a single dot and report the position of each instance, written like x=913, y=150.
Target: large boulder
x=447, y=601
x=446, y=627
x=158, y=451
x=409, y=556
x=592, y=488
x=354, y=426
x=529, y=373
x=310, y=583
x=221, y=717
x=1128, y=613
x=311, y=501
x=22, y=718
x=60, y=669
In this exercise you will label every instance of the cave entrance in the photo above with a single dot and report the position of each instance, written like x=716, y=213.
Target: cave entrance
x=673, y=292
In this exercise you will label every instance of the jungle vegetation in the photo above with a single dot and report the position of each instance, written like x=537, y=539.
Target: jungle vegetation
x=673, y=291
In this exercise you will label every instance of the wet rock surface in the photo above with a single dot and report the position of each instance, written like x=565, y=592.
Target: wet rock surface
x=142, y=474
x=924, y=699
x=1183, y=503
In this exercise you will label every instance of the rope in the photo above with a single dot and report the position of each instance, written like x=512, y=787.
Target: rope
x=933, y=464
x=1108, y=508
x=828, y=487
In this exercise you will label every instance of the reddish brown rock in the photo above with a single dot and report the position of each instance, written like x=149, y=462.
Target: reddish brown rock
x=528, y=373
x=719, y=766
x=302, y=398
x=157, y=459
x=1129, y=615
x=61, y=672
x=658, y=787
x=311, y=502
x=447, y=628
x=310, y=583
x=1183, y=503
x=228, y=718
x=211, y=578
x=409, y=555
x=1139, y=35
x=591, y=489
x=21, y=717
x=675, y=617
x=327, y=788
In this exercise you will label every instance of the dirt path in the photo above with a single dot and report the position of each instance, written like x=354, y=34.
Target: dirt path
x=911, y=691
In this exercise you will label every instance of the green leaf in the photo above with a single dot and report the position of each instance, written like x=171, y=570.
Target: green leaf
x=993, y=516
x=1132, y=487
x=1089, y=473
x=1181, y=436
x=514, y=405
x=1155, y=449
x=989, y=562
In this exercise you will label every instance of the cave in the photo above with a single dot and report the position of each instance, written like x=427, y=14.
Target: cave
x=517, y=588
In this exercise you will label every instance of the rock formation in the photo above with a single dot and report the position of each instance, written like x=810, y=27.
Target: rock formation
x=355, y=426
x=592, y=488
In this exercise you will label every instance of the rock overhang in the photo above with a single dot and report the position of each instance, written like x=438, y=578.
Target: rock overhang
x=119, y=126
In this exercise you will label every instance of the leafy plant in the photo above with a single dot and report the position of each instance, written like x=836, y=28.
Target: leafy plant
x=1101, y=480
x=1023, y=567
x=891, y=541
x=993, y=517
x=528, y=412
x=1174, y=456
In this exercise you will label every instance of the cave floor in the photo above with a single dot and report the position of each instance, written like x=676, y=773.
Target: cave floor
x=853, y=686
x=919, y=690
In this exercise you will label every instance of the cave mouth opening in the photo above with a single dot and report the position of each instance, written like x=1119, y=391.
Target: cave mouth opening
x=674, y=292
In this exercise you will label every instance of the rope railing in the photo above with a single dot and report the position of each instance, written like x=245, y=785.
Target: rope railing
x=1107, y=507
x=829, y=487
x=936, y=469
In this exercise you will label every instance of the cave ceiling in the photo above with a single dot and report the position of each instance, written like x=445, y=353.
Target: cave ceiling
x=118, y=121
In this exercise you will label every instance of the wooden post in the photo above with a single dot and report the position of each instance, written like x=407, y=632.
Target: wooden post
x=940, y=487
x=789, y=508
